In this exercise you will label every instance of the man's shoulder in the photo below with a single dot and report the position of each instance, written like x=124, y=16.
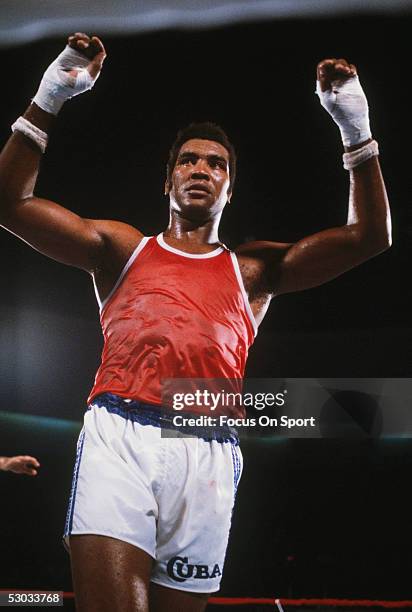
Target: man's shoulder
x=259, y=264
x=119, y=242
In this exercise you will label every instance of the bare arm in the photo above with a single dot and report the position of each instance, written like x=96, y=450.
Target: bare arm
x=325, y=255
x=45, y=225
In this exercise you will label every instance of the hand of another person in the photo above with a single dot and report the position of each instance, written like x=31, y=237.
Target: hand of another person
x=22, y=464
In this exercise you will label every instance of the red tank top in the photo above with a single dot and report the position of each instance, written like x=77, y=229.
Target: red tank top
x=173, y=315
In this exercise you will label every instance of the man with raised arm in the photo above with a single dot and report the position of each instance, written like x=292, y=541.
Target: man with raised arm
x=149, y=516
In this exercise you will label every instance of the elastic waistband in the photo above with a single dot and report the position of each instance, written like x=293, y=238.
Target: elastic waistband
x=158, y=416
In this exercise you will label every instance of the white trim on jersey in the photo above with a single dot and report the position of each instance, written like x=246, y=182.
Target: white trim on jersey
x=243, y=291
x=131, y=259
x=163, y=244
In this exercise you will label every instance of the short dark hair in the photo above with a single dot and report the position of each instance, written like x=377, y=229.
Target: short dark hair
x=204, y=131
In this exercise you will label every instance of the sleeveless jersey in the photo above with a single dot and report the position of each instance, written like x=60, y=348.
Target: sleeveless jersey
x=174, y=315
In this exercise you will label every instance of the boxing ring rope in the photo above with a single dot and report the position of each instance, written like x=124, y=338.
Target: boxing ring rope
x=336, y=603
x=280, y=601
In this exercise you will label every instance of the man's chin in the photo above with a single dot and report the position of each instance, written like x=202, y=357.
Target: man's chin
x=195, y=209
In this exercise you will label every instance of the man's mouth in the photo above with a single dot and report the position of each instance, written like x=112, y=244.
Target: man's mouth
x=197, y=188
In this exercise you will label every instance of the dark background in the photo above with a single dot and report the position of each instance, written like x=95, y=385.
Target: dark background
x=315, y=517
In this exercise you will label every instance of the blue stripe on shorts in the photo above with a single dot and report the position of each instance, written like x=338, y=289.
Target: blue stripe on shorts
x=237, y=467
x=70, y=510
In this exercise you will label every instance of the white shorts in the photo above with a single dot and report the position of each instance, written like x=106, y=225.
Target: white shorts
x=171, y=497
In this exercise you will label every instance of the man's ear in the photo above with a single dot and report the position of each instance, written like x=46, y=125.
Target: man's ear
x=167, y=187
x=229, y=196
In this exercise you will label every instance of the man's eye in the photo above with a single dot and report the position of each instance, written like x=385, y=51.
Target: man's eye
x=217, y=163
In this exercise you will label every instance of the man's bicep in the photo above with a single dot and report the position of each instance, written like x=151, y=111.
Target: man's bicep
x=56, y=232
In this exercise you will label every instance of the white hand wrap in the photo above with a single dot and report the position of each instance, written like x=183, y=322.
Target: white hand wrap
x=57, y=85
x=347, y=104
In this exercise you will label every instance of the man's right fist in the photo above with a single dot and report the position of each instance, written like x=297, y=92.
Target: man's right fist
x=74, y=71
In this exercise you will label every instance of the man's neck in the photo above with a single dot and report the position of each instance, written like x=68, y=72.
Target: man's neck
x=190, y=232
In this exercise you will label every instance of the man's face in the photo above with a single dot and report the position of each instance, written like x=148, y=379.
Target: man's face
x=200, y=179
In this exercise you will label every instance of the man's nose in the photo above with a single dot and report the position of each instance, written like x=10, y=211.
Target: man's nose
x=200, y=170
